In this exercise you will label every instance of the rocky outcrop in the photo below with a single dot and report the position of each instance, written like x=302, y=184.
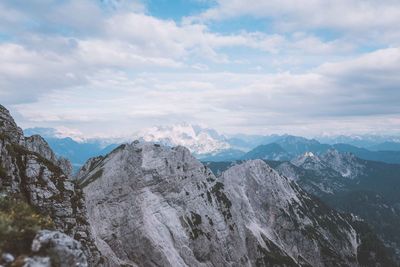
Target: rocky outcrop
x=9, y=128
x=150, y=205
x=62, y=249
x=38, y=145
x=29, y=170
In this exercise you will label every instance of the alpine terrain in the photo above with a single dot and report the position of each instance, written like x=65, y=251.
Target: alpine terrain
x=147, y=204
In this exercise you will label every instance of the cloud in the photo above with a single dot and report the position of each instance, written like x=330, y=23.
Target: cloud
x=342, y=14
x=329, y=97
x=84, y=65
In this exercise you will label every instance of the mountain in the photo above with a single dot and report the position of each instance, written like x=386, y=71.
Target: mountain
x=366, y=188
x=197, y=139
x=78, y=152
x=248, y=142
x=42, y=216
x=271, y=151
x=229, y=154
x=363, y=141
x=151, y=205
x=386, y=146
x=382, y=156
x=297, y=145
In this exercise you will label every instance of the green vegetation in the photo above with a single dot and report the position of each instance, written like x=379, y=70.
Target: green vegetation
x=226, y=204
x=3, y=172
x=19, y=224
x=371, y=250
x=193, y=224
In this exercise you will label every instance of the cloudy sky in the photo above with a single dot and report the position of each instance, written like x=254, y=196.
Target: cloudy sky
x=108, y=68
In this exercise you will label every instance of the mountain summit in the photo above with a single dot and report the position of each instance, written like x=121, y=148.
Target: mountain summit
x=152, y=205
x=197, y=139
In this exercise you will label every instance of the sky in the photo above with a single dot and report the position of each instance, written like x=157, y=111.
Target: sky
x=107, y=68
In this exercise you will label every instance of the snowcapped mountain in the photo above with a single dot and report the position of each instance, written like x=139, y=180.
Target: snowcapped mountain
x=197, y=139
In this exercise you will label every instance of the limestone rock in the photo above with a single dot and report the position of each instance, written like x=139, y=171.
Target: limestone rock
x=62, y=249
x=150, y=205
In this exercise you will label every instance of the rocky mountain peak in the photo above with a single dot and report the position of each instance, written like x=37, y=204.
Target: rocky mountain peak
x=344, y=163
x=8, y=127
x=308, y=160
x=37, y=144
x=263, y=177
x=151, y=205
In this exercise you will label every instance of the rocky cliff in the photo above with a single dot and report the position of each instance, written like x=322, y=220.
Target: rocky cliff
x=150, y=205
x=31, y=173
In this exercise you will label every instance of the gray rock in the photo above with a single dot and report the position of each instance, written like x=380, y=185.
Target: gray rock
x=150, y=205
x=28, y=167
x=7, y=258
x=8, y=127
x=37, y=262
x=37, y=144
x=62, y=249
x=65, y=166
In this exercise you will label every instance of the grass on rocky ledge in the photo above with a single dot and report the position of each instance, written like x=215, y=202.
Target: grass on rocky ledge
x=19, y=223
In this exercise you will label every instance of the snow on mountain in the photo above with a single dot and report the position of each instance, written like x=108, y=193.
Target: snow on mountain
x=308, y=161
x=197, y=139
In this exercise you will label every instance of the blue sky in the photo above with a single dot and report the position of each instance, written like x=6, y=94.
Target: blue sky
x=112, y=67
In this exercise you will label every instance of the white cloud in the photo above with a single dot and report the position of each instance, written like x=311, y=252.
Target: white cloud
x=342, y=14
x=324, y=98
x=85, y=66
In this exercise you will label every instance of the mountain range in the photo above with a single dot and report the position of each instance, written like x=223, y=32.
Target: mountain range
x=368, y=189
x=208, y=145
x=147, y=204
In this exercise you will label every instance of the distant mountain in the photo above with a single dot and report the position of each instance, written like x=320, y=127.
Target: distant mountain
x=386, y=146
x=296, y=145
x=364, y=141
x=208, y=145
x=197, y=139
x=224, y=155
x=77, y=152
x=248, y=142
x=382, y=156
x=271, y=151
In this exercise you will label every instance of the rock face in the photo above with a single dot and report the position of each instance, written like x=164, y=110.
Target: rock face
x=63, y=250
x=9, y=128
x=150, y=205
x=349, y=184
x=30, y=170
